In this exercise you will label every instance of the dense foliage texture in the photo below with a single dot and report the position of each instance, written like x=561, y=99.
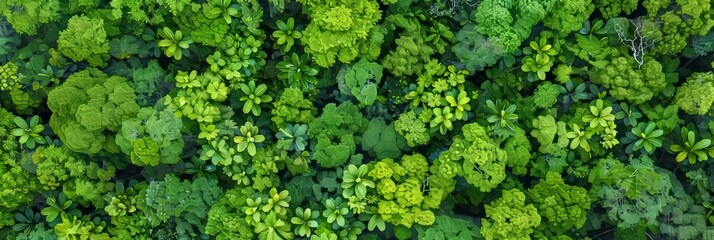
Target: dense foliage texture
x=356, y=119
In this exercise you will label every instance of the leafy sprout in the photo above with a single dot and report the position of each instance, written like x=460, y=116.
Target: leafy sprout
x=460, y=103
x=251, y=209
x=292, y=137
x=216, y=61
x=442, y=119
x=352, y=231
x=175, y=44
x=224, y=9
x=305, y=220
x=248, y=138
x=599, y=115
x=277, y=201
x=29, y=131
x=572, y=93
x=579, y=138
x=253, y=97
x=295, y=72
x=58, y=206
x=219, y=152
x=286, y=34
x=354, y=181
x=691, y=149
x=208, y=131
x=628, y=113
x=26, y=219
x=539, y=61
x=503, y=115
x=645, y=136
x=273, y=228
x=335, y=211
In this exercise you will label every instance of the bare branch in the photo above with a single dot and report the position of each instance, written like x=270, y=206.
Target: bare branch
x=452, y=7
x=640, y=40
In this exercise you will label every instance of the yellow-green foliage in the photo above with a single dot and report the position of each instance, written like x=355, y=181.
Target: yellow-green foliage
x=88, y=103
x=562, y=207
x=687, y=19
x=9, y=76
x=55, y=165
x=334, y=133
x=400, y=187
x=695, y=96
x=27, y=16
x=509, y=217
x=291, y=107
x=476, y=157
x=626, y=81
x=568, y=15
x=85, y=39
x=613, y=8
x=337, y=28
x=16, y=186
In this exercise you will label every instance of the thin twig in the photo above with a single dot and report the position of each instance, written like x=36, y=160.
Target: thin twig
x=613, y=229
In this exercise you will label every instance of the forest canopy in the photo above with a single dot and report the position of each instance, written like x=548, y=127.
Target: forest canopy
x=356, y=119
